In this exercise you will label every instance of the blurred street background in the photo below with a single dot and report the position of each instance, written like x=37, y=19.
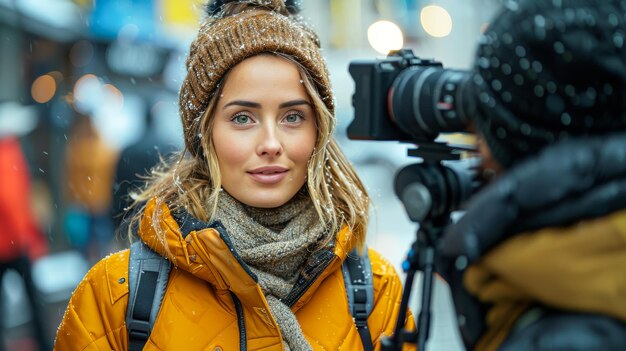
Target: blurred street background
x=88, y=99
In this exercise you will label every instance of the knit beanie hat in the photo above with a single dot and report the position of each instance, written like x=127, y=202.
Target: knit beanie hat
x=234, y=31
x=549, y=70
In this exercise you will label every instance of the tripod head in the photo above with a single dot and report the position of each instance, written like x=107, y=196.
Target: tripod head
x=430, y=192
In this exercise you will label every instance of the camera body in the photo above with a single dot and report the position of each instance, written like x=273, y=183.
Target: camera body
x=405, y=98
x=373, y=80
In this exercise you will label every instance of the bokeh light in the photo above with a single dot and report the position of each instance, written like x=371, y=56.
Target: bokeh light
x=436, y=21
x=87, y=93
x=113, y=96
x=385, y=36
x=43, y=88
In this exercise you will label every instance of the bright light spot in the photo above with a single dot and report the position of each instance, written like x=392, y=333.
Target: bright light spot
x=385, y=36
x=85, y=85
x=114, y=97
x=87, y=93
x=119, y=124
x=436, y=21
x=43, y=89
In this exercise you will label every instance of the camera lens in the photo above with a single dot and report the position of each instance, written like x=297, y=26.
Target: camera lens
x=426, y=101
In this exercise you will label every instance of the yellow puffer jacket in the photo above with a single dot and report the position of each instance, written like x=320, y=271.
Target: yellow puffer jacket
x=198, y=311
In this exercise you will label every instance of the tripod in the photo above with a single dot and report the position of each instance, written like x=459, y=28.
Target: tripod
x=429, y=191
x=421, y=257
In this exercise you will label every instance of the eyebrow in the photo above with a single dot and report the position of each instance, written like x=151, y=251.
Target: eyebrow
x=294, y=103
x=252, y=104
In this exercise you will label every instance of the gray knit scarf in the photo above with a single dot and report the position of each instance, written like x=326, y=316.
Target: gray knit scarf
x=275, y=243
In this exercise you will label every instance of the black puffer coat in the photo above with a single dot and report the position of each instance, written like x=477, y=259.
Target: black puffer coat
x=537, y=262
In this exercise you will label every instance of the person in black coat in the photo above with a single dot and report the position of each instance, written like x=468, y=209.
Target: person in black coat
x=537, y=261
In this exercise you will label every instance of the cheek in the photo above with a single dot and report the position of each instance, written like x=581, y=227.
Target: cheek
x=303, y=147
x=229, y=151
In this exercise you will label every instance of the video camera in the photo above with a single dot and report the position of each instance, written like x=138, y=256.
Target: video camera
x=407, y=99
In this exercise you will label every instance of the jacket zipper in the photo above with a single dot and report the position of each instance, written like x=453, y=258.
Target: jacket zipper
x=303, y=284
x=240, y=322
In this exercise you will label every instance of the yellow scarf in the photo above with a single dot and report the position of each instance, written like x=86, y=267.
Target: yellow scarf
x=576, y=268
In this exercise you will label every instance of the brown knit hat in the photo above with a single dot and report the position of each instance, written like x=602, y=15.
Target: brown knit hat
x=230, y=36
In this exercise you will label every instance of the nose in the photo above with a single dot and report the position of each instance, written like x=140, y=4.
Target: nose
x=269, y=143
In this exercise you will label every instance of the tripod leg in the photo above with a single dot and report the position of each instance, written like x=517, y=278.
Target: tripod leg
x=395, y=342
x=425, y=315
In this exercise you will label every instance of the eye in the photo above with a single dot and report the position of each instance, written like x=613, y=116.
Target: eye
x=293, y=118
x=241, y=119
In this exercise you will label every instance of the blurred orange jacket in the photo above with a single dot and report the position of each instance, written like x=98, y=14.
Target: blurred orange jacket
x=90, y=168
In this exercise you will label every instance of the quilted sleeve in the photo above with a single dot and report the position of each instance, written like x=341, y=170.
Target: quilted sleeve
x=95, y=316
x=387, y=297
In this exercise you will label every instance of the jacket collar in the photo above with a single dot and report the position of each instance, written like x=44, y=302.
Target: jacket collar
x=569, y=181
x=205, y=250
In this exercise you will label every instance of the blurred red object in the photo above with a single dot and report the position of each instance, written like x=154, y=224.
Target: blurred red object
x=19, y=233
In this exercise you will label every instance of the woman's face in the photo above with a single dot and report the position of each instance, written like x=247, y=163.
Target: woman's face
x=264, y=131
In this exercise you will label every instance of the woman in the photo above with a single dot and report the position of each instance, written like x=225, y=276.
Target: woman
x=258, y=219
x=537, y=262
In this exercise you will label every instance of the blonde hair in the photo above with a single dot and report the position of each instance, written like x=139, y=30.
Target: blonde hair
x=194, y=183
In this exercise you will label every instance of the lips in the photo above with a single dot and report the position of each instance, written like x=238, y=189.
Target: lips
x=268, y=174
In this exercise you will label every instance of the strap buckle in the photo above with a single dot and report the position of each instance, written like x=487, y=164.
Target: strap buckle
x=139, y=330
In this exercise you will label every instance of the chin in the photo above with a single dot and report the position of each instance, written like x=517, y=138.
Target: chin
x=263, y=197
x=266, y=203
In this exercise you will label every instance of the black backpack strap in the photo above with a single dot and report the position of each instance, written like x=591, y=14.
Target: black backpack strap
x=148, y=273
x=357, y=275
